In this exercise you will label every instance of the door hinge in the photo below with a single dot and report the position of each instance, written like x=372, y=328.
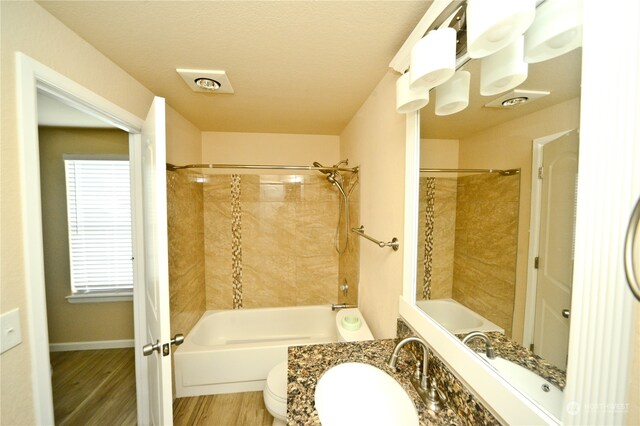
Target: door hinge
x=536, y=262
x=540, y=172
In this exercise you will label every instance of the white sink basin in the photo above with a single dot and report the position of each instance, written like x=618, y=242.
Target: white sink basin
x=535, y=387
x=361, y=394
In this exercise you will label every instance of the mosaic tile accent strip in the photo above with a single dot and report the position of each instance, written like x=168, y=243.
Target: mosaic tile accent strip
x=236, y=241
x=428, y=237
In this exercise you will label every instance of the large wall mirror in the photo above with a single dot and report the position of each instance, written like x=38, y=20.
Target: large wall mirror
x=496, y=212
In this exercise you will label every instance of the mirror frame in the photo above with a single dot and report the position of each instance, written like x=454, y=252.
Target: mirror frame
x=609, y=131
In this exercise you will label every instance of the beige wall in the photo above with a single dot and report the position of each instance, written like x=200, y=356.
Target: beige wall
x=375, y=140
x=74, y=322
x=184, y=140
x=27, y=28
x=270, y=148
x=509, y=145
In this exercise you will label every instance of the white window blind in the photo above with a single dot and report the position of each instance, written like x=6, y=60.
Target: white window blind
x=99, y=220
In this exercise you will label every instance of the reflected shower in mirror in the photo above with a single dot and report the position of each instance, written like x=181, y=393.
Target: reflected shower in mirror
x=467, y=239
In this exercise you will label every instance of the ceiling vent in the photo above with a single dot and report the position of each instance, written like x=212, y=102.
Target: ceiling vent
x=206, y=81
x=516, y=98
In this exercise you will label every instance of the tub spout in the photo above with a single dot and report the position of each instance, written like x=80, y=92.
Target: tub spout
x=338, y=306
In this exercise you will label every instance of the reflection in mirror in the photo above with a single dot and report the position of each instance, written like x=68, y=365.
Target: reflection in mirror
x=467, y=242
x=474, y=233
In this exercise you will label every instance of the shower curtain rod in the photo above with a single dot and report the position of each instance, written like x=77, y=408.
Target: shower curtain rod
x=172, y=167
x=508, y=172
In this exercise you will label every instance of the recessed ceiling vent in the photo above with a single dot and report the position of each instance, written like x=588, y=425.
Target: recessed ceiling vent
x=516, y=98
x=206, y=81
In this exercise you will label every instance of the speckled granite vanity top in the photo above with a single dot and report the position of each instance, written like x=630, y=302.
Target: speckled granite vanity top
x=307, y=363
x=511, y=351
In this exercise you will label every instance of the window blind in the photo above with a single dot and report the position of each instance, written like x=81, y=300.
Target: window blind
x=99, y=221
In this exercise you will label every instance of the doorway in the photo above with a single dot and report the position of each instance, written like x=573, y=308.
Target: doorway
x=87, y=260
x=33, y=78
x=554, y=192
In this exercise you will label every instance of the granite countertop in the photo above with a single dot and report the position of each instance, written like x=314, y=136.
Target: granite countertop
x=307, y=363
x=509, y=350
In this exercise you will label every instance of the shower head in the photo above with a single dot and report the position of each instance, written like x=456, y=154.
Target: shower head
x=316, y=164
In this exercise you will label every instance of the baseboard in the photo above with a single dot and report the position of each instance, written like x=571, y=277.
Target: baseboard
x=85, y=346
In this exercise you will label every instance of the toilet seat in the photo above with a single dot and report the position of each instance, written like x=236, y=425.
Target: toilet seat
x=275, y=391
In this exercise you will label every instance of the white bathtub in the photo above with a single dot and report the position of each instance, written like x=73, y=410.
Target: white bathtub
x=234, y=350
x=455, y=317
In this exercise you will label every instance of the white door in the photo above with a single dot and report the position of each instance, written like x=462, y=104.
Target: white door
x=555, y=267
x=156, y=284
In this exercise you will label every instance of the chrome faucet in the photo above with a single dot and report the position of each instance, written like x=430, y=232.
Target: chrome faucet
x=489, y=351
x=338, y=306
x=430, y=394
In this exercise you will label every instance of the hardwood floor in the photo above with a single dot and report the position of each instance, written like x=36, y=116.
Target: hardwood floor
x=94, y=387
x=233, y=409
x=98, y=388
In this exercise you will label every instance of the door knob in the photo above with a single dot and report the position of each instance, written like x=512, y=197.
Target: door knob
x=178, y=339
x=566, y=313
x=149, y=348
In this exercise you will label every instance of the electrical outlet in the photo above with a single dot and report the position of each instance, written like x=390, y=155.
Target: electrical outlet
x=10, y=333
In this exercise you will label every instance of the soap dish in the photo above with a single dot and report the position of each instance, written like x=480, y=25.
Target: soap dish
x=351, y=322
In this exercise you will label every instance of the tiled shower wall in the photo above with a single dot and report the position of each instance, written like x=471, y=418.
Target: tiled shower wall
x=186, y=250
x=284, y=236
x=475, y=228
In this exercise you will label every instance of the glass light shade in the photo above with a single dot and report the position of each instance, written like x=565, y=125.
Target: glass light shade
x=453, y=95
x=494, y=24
x=407, y=99
x=433, y=59
x=503, y=70
x=556, y=30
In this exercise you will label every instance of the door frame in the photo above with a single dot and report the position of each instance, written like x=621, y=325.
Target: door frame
x=534, y=235
x=32, y=76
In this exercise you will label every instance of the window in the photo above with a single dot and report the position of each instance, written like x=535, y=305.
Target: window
x=99, y=221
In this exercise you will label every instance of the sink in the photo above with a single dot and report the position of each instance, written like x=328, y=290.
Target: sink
x=355, y=393
x=537, y=388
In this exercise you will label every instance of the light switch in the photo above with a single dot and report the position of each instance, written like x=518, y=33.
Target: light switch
x=10, y=334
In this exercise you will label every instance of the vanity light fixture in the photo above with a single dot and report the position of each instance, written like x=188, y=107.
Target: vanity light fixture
x=503, y=70
x=433, y=59
x=494, y=24
x=453, y=95
x=556, y=30
x=408, y=99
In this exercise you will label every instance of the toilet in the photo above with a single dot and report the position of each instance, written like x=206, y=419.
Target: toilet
x=351, y=328
x=275, y=394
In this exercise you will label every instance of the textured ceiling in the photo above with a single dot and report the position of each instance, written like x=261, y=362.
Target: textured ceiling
x=295, y=66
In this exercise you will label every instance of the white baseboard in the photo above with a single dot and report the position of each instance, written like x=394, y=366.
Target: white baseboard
x=84, y=346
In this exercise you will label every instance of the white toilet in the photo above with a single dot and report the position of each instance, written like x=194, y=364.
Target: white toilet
x=351, y=328
x=275, y=393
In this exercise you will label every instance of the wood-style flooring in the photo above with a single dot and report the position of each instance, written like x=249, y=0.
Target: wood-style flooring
x=98, y=388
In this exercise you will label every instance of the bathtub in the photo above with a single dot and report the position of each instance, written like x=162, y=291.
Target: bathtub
x=233, y=350
x=455, y=317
